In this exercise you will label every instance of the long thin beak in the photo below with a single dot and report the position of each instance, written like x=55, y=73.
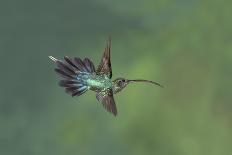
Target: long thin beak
x=145, y=81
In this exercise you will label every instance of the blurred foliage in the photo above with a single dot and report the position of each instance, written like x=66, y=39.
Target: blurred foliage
x=185, y=45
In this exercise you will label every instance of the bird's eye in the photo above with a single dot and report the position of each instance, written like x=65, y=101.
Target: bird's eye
x=120, y=82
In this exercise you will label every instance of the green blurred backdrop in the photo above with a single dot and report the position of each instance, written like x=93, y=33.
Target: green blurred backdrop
x=184, y=45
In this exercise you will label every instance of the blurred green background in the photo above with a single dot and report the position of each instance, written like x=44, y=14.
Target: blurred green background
x=184, y=45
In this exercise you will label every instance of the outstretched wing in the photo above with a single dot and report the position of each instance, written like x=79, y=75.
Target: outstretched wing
x=107, y=99
x=105, y=66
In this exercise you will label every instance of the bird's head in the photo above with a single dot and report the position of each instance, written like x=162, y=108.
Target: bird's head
x=121, y=83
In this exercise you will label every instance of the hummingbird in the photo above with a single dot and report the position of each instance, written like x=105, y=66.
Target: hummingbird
x=79, y=75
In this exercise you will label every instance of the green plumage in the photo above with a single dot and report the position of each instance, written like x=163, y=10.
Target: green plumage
x=98, y=83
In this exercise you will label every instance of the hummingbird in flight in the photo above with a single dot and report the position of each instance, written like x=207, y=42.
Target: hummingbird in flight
x=79, y=75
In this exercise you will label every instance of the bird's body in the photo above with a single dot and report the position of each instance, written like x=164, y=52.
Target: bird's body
x=95, y=82
x=80, y=75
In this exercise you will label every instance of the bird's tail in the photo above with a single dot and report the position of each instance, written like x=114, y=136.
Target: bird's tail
x=69, y=70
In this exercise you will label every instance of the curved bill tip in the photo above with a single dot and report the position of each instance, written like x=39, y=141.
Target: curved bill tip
x=52, y=58
x=159, y=84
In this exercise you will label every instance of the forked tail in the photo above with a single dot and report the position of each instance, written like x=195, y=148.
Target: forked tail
x=69, y=69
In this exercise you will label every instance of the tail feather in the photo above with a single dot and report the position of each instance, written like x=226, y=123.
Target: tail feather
x=67, y=83
x=80, y=64
x=52, y=58
x=63, y=74
x=79, y=92
x=69, y=70
x=89, y=65
x=66, y=68
x=76, y=91
x=72, y=63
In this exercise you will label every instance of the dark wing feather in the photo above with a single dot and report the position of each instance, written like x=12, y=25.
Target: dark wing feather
x=89, y=65
x=71, y=62
x=107, y=99
x=85, y=65
x=67, y=83
x=80, y=64
x=105, y=65
x=63, y=74
x=65, y=67
x=76, y=90
x=79, y=92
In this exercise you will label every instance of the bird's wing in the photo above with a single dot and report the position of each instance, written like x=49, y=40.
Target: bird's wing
x=107, y=99
x=105, y=66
